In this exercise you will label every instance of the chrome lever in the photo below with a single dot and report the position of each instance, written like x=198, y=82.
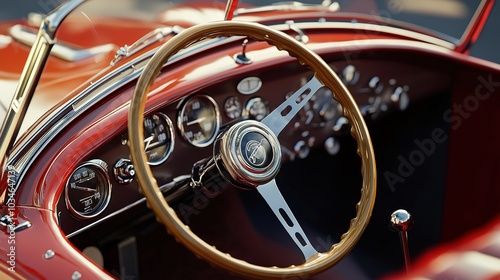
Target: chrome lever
x=301, y=36
x=401, y=221
x=152, y=37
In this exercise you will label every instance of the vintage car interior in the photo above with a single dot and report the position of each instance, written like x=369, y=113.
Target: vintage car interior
x=212, y=140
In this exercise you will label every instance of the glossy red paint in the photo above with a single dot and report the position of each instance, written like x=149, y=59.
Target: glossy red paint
x=38, y=195
x=29, y=261
x=112, y=117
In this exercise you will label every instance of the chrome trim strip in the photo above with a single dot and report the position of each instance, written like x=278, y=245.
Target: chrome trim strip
x=164, y=188
x=60, y=50
x=363, y=27
x=105, y=218
x=289, y=6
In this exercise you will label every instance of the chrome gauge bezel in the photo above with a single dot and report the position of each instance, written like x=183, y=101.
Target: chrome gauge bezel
x=249, y=110
x=216, y=119
x=98, y=166
x=171, y=136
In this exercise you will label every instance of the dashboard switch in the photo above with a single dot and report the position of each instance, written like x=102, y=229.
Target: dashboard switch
x=301, y=149
x=400, y=98
x=124, y=171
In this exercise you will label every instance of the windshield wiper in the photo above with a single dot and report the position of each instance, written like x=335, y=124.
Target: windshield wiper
x=152, y=37
x=291, y=6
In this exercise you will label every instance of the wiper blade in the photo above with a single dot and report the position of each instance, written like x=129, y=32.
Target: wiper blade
x=152, y=37
x=291, y=6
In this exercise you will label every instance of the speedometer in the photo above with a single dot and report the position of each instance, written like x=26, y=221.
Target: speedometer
x=199, y=120
x=158, y=138
x=88, y=189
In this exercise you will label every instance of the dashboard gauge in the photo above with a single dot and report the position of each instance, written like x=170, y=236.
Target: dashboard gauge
x=320, y=110
x=199, y=120
x=325, y=106
x=88, y=189
x=158, y=138
x=233, y=107
x=249, y=85
x=256, y=109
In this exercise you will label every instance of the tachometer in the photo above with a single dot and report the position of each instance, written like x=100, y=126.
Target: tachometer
x=199, y=120
x=158, y=138
x=88, y=189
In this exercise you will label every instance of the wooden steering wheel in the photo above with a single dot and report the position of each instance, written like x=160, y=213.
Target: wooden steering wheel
x=248, y=153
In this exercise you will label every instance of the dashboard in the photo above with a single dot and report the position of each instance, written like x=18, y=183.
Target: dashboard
x=179, y=134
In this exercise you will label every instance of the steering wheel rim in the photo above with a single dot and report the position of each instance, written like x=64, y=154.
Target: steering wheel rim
x=326, y=76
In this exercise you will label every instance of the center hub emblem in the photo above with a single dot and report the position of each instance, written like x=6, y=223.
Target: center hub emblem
x=256, y=150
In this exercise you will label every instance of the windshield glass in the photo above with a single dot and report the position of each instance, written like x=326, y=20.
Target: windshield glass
x=447, y=19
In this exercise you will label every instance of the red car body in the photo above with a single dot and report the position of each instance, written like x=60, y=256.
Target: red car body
x=436, y=156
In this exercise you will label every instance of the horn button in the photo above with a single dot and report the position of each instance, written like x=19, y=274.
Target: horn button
x=248, y=154
x=255, y=150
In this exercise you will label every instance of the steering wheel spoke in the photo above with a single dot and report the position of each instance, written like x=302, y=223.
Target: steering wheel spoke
x=275, y=200
x=281, y=116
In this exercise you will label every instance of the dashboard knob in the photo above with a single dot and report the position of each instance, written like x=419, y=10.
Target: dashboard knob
x=400, y=98
x=301, y=149
x=401, y=221
x=124, y=171
x=376, y=85
x=340, y=123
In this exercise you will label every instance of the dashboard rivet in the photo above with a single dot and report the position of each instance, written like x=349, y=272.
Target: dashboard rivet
x=76, y=275
x=49, y=254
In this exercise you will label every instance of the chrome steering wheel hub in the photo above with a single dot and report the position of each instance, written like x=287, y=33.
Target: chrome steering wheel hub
x=248, y=154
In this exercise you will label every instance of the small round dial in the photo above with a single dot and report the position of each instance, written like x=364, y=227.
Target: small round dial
x=158, y=138
x=88, y=189
x=326, y=107
x=233, y=107
x=199, y=120
x=256, y=109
